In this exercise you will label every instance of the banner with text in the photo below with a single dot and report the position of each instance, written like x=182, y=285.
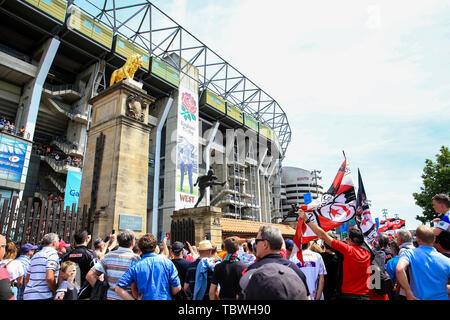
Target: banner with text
x=73, y=185
x=186, y=149
x=12, y=158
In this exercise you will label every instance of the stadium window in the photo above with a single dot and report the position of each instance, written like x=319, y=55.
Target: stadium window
x=121, y=44
x=88, y=24
x=145, y=58
x=97, y=30
x=49, y=2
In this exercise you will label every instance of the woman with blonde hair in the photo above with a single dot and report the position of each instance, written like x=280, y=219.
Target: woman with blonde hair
x=14, y=267
x=67, y=289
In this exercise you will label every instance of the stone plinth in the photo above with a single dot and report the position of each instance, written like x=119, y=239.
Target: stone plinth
x=120, y=114
x=206, y=220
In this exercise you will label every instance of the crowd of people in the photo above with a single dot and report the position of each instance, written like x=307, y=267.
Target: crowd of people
x=43, y=149
x=266, y=267
x=8, y=126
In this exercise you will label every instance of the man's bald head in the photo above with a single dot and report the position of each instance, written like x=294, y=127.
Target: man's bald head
x=425, y=235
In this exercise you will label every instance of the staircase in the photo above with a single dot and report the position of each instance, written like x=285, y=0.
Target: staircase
x=60, y=98
x=68, y=92
x=67, y=148
x=61, y=186
x=60, y=166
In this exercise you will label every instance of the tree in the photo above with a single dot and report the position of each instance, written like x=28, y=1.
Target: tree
x=436, y=179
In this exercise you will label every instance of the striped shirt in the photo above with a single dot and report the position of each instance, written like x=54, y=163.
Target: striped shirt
x=113, y=265
x=25, y=263
x=37, y=289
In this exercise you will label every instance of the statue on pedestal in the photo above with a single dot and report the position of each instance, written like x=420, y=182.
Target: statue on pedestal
x=206, y=181
x=128, y=70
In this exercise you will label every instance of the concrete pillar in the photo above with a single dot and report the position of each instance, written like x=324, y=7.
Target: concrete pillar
x=31, y=98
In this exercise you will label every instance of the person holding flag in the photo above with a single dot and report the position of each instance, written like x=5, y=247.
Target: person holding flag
x=336, y=207
x=356, y=263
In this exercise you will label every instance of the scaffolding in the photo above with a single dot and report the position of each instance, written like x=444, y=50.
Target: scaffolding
x=238, y=198
x=252, y=164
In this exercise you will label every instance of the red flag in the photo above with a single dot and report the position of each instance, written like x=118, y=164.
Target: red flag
x=298, y=239
x=391, y=224
x=336, y=206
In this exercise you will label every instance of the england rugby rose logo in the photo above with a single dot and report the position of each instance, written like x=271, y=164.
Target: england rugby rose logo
x=188, y=106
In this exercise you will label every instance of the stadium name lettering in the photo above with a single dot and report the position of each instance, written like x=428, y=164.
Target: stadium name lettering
x=186, y=198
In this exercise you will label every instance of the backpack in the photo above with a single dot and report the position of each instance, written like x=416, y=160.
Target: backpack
x=99, y=290
x=386, y=284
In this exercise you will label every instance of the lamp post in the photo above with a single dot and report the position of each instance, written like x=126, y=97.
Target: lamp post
x=384, y=213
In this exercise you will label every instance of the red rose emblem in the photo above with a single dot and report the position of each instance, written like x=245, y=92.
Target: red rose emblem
x=188, y=102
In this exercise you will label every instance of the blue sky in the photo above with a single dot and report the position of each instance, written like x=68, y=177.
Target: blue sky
x=367, y=77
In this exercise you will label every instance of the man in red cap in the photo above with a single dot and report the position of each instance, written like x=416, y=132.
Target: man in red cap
x=62, y=249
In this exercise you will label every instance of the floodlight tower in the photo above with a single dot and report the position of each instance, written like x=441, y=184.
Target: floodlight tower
x=316, y=177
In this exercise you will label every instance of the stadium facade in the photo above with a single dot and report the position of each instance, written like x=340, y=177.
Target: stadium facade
x=56, y=55
x=295, y=182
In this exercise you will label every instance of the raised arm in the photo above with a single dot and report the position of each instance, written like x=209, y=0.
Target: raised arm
x=165, y=248
x=316, y=229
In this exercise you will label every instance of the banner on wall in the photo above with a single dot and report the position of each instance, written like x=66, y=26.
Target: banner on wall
x=12, y=158
x=73, y=185
x=186, y=149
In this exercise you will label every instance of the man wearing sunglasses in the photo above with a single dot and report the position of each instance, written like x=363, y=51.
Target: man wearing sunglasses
x=268, y=243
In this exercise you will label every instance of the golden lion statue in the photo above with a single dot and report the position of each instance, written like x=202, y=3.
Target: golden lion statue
x=128, y=69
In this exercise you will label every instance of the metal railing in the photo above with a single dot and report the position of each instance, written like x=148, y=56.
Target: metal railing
x=62, y=87
x=27, y=222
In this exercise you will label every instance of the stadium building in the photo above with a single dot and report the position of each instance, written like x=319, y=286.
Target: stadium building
x=56, y=55
x=295, y=182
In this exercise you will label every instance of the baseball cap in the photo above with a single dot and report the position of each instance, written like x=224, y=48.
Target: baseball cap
x=273, y=281
x=289, y=244
x=64, y=244
x=27, y=247
x=177, y=246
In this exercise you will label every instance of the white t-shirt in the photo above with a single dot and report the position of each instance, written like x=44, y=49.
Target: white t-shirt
x=314, y=266
x=15, y=268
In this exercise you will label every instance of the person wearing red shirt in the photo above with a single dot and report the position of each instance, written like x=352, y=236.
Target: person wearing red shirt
x=356, y=263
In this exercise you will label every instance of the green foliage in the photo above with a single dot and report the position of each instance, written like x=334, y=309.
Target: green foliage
x=436, y=179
